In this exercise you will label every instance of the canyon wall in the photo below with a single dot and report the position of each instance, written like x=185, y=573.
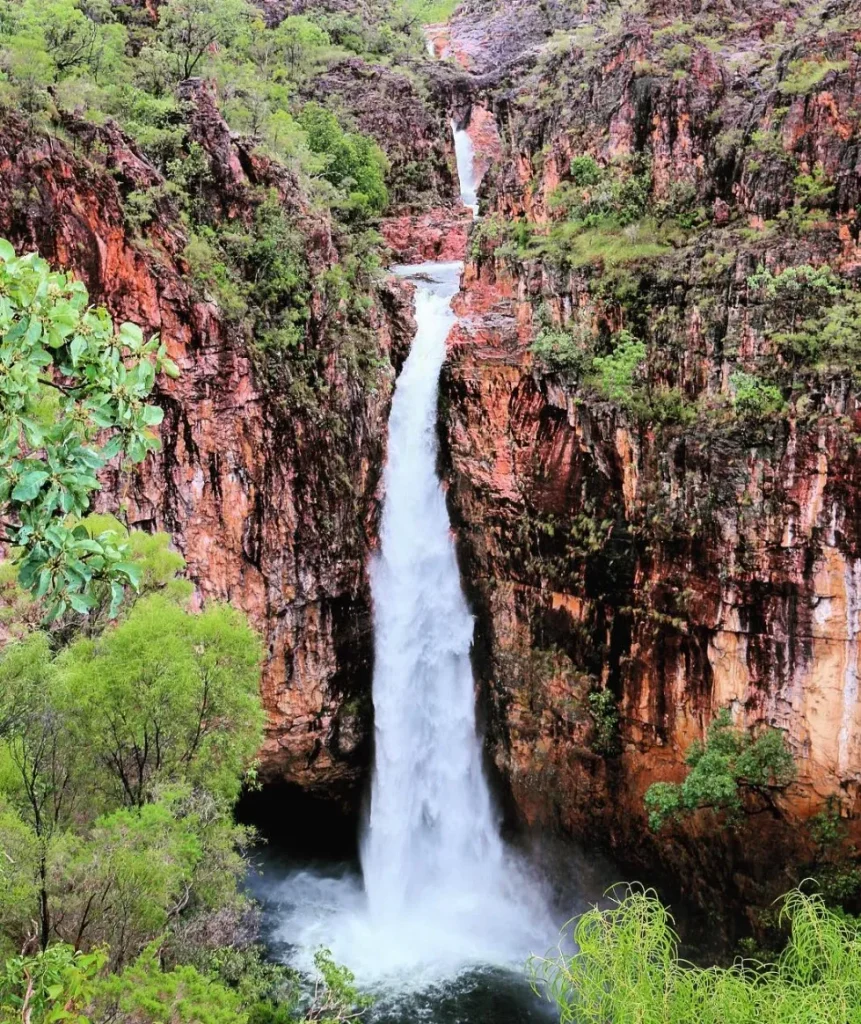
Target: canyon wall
x=664, y=546
x=266, y=484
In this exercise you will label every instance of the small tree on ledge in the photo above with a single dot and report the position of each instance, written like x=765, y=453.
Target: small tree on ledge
x=730, y=759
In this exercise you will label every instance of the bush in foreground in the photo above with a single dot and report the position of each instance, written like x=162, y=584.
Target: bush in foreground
x=627, y=969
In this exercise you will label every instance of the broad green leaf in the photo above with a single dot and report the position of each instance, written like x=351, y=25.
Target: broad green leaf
x=77, y=348
x=82, y=603
x=152, y=415
x=7, y=250
x=131, y=571
x=131, y=335
x=29, y=485
x=170, y=368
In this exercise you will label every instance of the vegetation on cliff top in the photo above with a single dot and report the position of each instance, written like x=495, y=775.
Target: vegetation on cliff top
x=73, y=66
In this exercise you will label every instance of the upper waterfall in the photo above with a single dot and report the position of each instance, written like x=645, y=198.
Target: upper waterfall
x=464, y=152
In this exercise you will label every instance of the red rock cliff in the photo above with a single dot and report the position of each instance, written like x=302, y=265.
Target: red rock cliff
x=682, y=559
x=273, y=508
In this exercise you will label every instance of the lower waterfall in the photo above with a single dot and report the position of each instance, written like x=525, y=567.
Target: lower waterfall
x=431, y=827
x=439, y=891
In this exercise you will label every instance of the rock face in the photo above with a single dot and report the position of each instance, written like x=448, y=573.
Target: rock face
x=273, y=509
x=686, y=559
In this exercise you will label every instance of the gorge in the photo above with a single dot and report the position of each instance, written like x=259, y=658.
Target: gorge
x=630, y=508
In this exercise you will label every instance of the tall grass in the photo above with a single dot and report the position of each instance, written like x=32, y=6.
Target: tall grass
x=627, y=970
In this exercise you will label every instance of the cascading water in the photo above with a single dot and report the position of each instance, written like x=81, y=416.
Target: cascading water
x=464, y=152
x=440, y=893
x=437, y=876
x=431, y=826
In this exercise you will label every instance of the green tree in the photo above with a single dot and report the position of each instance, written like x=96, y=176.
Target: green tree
x=73, y=395
x=755, y=398
x=167, y=697
x=294, y=44
x=190, y=29
x=19, y=873
x=355, y=163
x=729, y=761
x=123, y=880
x=45, y=42
x=119, y=761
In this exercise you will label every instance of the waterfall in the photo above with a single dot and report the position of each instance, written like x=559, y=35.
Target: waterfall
x=464, y=152
x=432, y=832
x=439, y=891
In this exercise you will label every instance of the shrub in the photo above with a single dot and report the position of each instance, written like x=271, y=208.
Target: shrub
x=804, y=75
x=565, y=348
x=728, y=761
x=584, y=171
x=605, y=719
x=755, y=398
x=627, y=968
x=614, y=374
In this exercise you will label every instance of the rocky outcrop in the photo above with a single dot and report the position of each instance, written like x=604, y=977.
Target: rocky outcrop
x=684, y=559
x=274, y=507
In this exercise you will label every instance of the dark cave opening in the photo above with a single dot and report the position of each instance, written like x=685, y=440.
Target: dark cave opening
x=299, y=824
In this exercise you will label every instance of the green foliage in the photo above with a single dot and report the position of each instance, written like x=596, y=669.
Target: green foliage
x=353, y=162
x=836, y=868
x=56, y=984
x=112, y=62
x=122, y=881
x=755, y=398
x=615, y=374
x=120, y=758
x=813, y=189
x=627, y=969
x=571, y=244
x=146, y=994
x=215, y=278
x=728, y=761
x=19, y=893
x=431, y=12
x=336, y=998
x=804, y=75
x=619, y=192
x=167, y=697
x=190, y=29
x=812, y=316
x=564, y=348
x=100, y=380
x=584, y=171
x=605, y=720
